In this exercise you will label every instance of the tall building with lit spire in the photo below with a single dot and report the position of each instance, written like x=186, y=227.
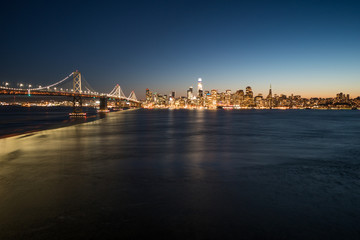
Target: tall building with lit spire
x=200, y=87
x=269, y=97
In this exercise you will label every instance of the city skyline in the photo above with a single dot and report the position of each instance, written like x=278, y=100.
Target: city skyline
x=184, y=93
x=308, y=48
x=246, y=98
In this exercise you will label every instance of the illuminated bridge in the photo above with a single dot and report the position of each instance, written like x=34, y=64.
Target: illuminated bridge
x=76, y=87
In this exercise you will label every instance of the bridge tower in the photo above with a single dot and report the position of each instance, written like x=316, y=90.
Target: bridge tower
x=119, y=95
x=77, y=101
x=103, y=104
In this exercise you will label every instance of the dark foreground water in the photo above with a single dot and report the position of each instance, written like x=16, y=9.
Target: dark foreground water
x=186, y=175
x=15, y=120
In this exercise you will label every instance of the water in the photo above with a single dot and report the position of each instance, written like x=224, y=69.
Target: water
x=15, y=120
x=186, y=175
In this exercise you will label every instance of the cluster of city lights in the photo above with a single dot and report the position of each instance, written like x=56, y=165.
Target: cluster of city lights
x=241, y=99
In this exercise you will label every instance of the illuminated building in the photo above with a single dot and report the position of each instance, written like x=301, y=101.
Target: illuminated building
x=148, y=96
x=249, y=92
x=200, y=88
x=213, y=99
x=249, y=97
x=227, y=97
x=270, y=98
x=190, y=93
x=259, y=102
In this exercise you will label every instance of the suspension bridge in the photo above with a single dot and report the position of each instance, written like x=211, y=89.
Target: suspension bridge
x=75, y=86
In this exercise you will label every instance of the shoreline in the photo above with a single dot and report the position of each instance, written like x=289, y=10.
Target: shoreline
x=57, y=126
x=243, y=109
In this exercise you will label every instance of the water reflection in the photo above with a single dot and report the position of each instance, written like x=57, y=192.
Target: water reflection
x=218, y=174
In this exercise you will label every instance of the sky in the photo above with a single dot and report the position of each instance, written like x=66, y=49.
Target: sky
x=310, y=48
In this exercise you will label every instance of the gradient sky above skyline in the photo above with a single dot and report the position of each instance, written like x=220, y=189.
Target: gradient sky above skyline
x=311, y=48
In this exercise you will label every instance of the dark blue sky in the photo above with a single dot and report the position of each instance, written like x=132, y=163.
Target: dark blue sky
x=310, y=48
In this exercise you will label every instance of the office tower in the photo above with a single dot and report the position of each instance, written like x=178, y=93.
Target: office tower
x=228, y=97
x=249, y=97
x=200, y=87
x=270, y=93
x=201, y=93
x=270, y=98
x=190, y=93
x=214, y=95
x=249, y=92
x=148, y=95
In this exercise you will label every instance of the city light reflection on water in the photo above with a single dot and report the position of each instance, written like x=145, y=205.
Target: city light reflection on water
x=185, y=175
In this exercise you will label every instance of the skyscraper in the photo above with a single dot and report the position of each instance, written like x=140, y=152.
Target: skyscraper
x=148, y=96
x=190, y=93
x=228, y=97
x=249, y=92
x=249, y=97
x=213, y=101
x=200, y=87
x=269, y=97
x=270, y=93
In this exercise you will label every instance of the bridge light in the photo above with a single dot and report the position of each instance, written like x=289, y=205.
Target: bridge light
x=29, y=85
x=6, y=84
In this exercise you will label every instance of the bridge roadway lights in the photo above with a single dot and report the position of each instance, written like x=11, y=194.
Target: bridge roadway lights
x=103, y=105
x=77, y=107
x=118, y=105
